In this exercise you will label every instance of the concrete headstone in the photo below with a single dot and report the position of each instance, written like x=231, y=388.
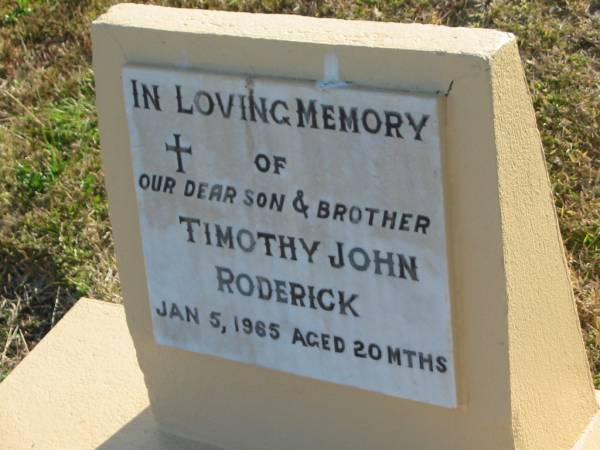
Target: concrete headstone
x=336, y=234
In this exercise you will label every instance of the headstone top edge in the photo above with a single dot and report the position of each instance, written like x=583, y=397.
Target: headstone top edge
x=402, y=36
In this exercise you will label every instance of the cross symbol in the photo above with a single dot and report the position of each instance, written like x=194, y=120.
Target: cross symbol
x=179, y=150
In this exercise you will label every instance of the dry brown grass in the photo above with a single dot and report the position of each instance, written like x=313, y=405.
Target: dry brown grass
x=55, y=243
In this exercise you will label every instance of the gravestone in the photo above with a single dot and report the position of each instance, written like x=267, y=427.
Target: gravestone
x=336, y=234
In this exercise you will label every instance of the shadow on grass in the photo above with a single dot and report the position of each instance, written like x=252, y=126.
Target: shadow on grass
x=34, y=295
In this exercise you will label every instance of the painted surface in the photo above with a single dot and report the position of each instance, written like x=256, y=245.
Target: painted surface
x=295, y=227
x=81, y=388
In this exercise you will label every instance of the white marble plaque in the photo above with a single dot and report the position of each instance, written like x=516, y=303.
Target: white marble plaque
x=295, y=226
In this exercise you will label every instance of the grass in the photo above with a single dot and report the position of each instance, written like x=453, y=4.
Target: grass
x=55, y=239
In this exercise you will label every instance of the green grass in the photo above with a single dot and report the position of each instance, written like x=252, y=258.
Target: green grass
x=55, y=241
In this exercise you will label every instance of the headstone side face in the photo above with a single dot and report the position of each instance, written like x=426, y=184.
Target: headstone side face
x=539, y=292
x=209, y=383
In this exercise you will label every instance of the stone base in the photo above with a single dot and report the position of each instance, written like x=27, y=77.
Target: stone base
x=81, y=388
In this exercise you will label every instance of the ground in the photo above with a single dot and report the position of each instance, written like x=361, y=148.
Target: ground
x=55, y=236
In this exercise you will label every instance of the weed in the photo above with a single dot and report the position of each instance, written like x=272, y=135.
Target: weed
x=21, y=8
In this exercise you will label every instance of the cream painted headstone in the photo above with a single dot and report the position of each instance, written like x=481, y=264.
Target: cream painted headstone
x=336, y=234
